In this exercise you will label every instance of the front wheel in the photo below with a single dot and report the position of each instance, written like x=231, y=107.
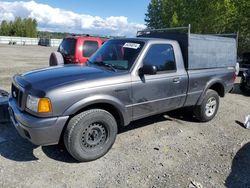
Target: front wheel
x=90, y=134
x=209, y=106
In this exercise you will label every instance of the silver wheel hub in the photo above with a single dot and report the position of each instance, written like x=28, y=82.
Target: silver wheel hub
x=210, y=107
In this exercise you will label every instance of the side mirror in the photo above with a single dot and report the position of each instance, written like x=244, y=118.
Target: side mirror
x=148, y=69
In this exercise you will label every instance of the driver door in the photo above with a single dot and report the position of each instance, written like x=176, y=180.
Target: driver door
x=166, y=90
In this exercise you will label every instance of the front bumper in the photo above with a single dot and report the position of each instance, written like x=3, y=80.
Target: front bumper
x=40, y=131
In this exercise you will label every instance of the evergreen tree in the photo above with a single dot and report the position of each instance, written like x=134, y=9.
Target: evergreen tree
x=205, y=16
x=18, y=27
x=153, y=17
x=26, y=27
x=4, y=30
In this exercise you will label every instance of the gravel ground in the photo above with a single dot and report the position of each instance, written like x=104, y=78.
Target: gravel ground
x=169, y=150
x=18, y=59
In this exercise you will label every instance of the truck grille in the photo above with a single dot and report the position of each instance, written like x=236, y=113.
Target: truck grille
x=17, y=95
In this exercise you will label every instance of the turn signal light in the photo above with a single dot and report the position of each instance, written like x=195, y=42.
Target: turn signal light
x=44, y=106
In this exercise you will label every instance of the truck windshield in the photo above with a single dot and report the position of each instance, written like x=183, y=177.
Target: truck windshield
x=67, y=47
x=118, y=54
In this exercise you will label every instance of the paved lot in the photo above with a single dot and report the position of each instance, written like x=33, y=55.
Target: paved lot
x=18, y=59
x=170, y=150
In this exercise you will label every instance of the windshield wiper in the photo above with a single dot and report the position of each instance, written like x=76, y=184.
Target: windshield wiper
x=101, y=63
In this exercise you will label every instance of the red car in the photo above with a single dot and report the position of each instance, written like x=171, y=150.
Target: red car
x=76, y=49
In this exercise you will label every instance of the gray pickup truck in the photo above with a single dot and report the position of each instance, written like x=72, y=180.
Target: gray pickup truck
x=125, y=80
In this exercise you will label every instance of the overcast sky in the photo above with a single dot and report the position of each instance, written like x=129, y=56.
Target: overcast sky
x=110, y=17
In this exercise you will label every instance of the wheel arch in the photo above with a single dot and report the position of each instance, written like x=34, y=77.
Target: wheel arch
x=108, y=103
x=216, y=85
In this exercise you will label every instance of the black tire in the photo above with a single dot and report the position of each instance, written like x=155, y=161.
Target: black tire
x=55, y=59
x=242, y=86
x=232, y=90
x=207, y=111
x=90, y=134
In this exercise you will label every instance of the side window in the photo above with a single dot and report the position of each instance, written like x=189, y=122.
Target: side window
x=161, y=56
x=89, y=47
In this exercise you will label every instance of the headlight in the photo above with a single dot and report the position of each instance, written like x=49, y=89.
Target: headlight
x=41, y=105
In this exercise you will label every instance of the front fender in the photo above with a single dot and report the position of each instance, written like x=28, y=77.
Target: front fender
x=98, y=99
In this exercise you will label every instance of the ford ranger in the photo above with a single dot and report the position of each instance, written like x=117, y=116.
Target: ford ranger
x=125, y=80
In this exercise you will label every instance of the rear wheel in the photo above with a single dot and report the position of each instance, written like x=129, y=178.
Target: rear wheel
x=90, y=134
x=209, y=106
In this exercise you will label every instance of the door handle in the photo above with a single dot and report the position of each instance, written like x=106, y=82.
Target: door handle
x=176, y=80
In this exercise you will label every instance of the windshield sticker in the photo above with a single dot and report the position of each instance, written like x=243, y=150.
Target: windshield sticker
x=131, y=45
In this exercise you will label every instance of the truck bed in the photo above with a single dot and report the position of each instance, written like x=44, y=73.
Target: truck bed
x=200, y=80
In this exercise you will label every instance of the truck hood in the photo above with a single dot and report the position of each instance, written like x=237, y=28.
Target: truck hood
x=44, y=79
